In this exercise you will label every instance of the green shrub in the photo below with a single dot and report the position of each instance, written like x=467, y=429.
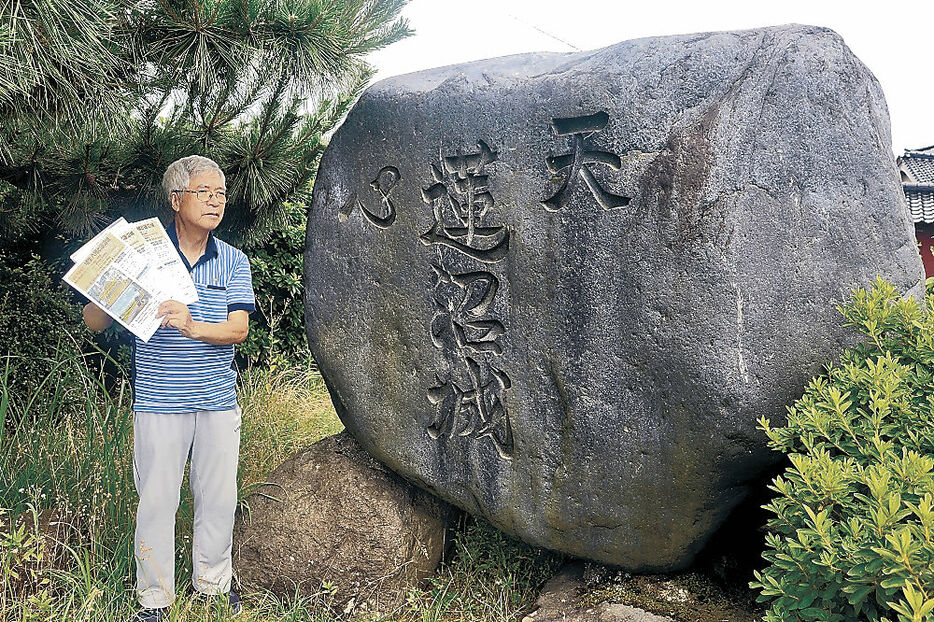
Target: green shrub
x=278, y=325
x=38, y=322
x=852, y=537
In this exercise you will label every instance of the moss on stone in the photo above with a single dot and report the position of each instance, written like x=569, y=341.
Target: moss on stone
x=689, y=596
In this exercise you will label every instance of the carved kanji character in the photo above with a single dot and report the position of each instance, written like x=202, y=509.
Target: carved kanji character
x=385, y=180
x=460, y=198
x=477, y=410
x=578, y=160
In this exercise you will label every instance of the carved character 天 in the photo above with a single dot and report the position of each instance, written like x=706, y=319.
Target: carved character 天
x=577, y=162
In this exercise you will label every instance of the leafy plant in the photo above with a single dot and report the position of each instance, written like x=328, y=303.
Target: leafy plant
x=38, y=322
x=21, y=563
x=852, y=537
x=277, y=328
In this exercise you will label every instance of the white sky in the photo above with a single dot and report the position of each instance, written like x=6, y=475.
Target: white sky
x=894, y=39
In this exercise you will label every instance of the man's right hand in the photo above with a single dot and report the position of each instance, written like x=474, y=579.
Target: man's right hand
x=95, y=318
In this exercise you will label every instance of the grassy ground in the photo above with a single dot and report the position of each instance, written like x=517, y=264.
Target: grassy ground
x=285, y=409
x=65, y=455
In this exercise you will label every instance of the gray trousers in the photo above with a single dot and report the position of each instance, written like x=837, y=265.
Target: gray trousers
x=162, y=444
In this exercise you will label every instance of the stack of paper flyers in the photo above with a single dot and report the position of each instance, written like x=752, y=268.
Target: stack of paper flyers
x=128, y=270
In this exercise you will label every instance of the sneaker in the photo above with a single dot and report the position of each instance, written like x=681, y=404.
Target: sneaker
x=151, y=615
x=233, y=602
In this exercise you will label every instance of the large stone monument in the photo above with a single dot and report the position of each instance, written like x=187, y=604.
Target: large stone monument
x=557, y=290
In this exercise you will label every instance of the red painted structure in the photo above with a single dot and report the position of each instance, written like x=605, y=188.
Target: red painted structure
x=925, y=234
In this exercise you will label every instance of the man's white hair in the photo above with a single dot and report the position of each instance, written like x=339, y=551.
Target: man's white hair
x=178, y=175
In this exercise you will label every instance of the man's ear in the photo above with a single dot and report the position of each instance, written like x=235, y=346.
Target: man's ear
x=173, y=200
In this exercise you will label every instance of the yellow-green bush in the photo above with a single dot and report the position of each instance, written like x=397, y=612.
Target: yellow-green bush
x=852, y=537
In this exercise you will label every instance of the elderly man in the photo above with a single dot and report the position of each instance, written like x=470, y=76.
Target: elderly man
x=185, y=399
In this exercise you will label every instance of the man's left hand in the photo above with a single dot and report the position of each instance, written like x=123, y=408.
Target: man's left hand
x=177, y=315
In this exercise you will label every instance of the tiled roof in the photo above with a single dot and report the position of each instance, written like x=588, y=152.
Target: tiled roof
x=920, y=198
x=919, y=166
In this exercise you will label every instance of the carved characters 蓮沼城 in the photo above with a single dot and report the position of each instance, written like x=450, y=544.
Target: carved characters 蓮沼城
x=471, y=398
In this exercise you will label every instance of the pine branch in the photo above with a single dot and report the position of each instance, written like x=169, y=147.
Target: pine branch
x=98, y=98
x=56, y=56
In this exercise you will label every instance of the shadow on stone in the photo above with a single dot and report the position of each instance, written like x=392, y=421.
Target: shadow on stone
x=713, y=589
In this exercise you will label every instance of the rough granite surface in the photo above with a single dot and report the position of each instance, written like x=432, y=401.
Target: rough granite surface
x=557, y=290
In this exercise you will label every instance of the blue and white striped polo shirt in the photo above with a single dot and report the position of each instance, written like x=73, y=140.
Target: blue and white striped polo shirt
x=174, y=374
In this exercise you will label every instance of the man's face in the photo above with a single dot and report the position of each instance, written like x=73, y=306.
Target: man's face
x=194, y=213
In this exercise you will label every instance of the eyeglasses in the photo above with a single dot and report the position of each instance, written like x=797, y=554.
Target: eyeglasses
x=205, y=195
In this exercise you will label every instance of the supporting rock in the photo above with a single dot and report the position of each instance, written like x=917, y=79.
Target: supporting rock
x=560, y=601
x=333, y=521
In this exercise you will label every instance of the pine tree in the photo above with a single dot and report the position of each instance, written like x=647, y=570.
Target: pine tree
x=97, y=97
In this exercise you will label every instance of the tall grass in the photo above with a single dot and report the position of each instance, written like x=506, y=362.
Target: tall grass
x=286, y=408
x=64, y=461
x=489, y=577
x=66, y=472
